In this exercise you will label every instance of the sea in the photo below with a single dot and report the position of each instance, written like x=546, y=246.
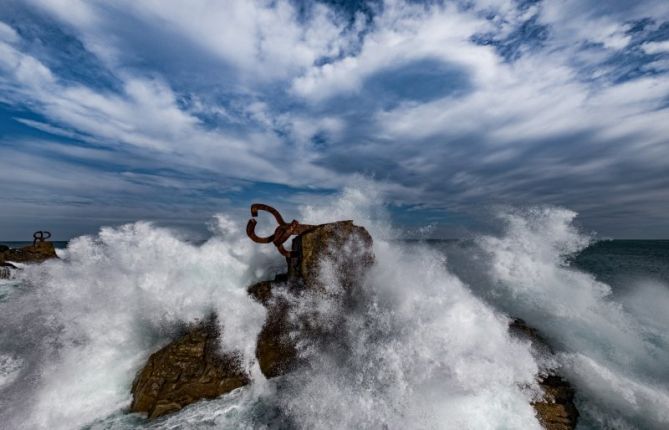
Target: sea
x=428, y=349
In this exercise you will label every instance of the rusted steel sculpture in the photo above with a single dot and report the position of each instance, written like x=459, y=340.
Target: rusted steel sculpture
x=40, y=236
x=282, y=233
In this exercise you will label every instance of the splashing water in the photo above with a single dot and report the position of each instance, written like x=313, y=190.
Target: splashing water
x=420, y=349
x=616, y=352
x=84, y=325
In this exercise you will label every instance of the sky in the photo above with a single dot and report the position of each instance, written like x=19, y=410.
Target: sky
x=173, y=111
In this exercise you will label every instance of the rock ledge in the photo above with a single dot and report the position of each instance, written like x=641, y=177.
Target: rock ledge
x=556, y=411
x=37, y=253
x=189, y=369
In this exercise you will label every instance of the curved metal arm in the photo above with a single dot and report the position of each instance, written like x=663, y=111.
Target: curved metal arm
x=255, y=207
x=281, y=234
x=284, y=251
x=251, y=232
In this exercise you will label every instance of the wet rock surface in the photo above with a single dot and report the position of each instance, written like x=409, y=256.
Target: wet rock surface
x=37, y=253
x=556, y=411
x=347, y=246
x=28, y=254
x=189, y=369
x=5, y=270
x=343, y=242
x=275, y=351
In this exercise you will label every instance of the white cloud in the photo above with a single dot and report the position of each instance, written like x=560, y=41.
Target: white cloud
x=536, y=97
x=576, y=21
x=7, y=33
x=261, y=39
x=403, y=33
x=145, y=115
x=656, y=47
x=277, y=72
x=23, y=69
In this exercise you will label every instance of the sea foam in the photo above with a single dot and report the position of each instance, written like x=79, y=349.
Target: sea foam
x=425, y=346
x=615, y=351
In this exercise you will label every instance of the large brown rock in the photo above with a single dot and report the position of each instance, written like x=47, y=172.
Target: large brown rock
x=556, y=411
x=275, y=350
x=29, y=254
x=192, y=368
x=349, y=247
x=187, y=370
x=344, y=245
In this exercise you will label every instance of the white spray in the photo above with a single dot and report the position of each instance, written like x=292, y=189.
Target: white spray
x=421, y=350
x=616, y=352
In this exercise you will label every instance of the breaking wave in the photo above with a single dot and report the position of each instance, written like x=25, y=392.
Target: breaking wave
x=427, y=346
x=615, y=350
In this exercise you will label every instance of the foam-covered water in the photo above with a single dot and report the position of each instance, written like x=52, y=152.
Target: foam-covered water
x=425, y=346
x=615, y=349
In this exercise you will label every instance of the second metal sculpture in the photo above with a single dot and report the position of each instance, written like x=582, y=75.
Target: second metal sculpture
x=40, y=236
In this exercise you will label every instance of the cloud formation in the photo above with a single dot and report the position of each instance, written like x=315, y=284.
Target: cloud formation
x=169, y=111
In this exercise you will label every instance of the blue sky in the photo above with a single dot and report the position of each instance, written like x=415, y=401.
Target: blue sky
x=172, y=111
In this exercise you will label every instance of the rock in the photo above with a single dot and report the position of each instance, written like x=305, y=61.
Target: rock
x=29, y=254
x=347, y=245
x=192, y=368
x=189, y=369
x=5, y=270
x=556, y=411
x=275, y=351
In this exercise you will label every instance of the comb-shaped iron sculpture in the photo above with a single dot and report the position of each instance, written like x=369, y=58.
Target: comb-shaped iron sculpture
x=282, y=233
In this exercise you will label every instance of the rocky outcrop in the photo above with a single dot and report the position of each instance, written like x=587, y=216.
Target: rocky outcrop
x=343, y=242
x=556, y=411
x=5, y=270
x=275, y=350
x=347, y=246
x=187, y=370
x=192, y=368
x=28, y=254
